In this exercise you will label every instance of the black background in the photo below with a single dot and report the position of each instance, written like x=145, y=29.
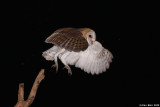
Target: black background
x=128, y=30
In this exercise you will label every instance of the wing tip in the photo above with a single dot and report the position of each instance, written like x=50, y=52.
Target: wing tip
x=111, y=55
x=96, y=73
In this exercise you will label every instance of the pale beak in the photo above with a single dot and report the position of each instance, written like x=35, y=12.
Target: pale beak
x=92, y=40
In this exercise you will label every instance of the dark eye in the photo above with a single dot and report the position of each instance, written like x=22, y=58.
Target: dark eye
x=90, y=36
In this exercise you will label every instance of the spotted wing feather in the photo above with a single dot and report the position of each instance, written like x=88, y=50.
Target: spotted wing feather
x=69, y=38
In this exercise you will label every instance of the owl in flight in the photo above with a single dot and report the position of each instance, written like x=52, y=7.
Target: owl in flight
x=78, y=46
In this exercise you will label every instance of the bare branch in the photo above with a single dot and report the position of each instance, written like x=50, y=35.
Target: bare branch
x=31, y=97
x=33, y=91
x=21, y=92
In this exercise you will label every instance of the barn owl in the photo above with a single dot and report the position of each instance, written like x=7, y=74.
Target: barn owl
x=78, y=46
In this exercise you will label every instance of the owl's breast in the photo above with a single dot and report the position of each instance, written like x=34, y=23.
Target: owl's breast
x=95, y=47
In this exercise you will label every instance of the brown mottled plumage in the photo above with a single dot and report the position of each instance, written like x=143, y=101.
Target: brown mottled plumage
x=71, y=39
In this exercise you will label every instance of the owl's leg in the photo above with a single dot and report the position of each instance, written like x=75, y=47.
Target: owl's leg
x=55, y=58
x=65, y=63
x=69, y=69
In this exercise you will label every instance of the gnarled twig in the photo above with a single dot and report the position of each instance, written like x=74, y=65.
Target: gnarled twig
x=21, y=102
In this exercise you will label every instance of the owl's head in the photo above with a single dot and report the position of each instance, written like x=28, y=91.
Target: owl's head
x=89, y=35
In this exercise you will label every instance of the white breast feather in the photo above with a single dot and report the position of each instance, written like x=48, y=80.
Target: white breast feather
x=72, y=58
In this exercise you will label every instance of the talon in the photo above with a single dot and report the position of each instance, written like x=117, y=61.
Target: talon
x=55, y=66
x=69, y=69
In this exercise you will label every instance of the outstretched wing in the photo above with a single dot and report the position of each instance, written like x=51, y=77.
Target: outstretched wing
x=69, y=38
x=95, y=59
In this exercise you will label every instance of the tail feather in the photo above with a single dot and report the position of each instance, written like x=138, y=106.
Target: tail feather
x=50, y=53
